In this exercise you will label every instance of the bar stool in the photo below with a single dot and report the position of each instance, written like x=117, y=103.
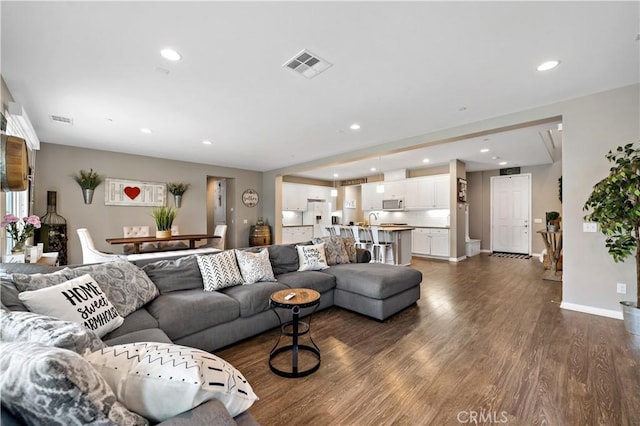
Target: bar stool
x=379, y=249
x=368, y=241
x=330, y=230
x=346, y=231
x=356, y=236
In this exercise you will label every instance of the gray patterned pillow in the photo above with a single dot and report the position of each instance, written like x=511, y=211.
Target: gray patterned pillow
x=19, y=326
x=255, y=267
x=127, y=287
x=219, y=270
x=350, y=246
x=30, y=282
x=47, y=385
x=334, y=249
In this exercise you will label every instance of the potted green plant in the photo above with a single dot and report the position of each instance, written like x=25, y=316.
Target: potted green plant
x=88, y=181
x=615, y=206
x=553, y=222
x=164, y=217
x=178, y=190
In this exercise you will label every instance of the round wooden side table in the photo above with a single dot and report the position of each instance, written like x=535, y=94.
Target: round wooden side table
x=303, y=298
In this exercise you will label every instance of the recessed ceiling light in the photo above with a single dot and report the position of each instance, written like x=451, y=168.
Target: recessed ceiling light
x=502, y=163
x=373, y=169
x=425, y=160
x=549, y=65
x=335, y=175
x=484, y=150
x=206, y=142
x=355, y=126
x=145, y=130
x=170, y=54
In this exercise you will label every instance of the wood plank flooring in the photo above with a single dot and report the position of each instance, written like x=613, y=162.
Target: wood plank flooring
x=486, y=343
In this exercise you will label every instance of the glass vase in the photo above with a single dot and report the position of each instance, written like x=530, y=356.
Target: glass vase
x=53, y=233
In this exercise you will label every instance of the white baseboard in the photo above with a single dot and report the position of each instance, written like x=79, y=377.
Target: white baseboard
x=591, y=310
x=453, y=259
x=485, y=251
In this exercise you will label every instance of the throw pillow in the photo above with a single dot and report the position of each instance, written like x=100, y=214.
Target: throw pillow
x=312, y=257
x=219, y=270
x=174, y=275
x=255, y=267
x=47, y=385
x=350, y=246
x=161, y=380
x=20, y=326
x=334, y=249
x=26, y=282
x=80, y=300
x=125, y=285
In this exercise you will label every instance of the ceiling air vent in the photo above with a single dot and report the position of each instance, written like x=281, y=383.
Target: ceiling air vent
x=62, y=120
x=307, y=64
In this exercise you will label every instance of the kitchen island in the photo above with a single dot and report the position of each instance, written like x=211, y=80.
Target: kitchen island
x=399, y=236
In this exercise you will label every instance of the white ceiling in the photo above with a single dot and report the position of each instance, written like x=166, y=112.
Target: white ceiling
x=399, y=70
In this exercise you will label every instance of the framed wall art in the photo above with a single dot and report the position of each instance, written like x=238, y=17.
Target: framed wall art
x=122, y=192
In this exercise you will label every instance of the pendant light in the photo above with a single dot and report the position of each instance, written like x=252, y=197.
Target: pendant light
x=380, y=186
x=334, y=190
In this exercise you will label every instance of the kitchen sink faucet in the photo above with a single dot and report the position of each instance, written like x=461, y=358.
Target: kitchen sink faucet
x=375, y=216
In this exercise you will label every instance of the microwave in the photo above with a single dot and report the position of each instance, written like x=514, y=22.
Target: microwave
x=393, y=204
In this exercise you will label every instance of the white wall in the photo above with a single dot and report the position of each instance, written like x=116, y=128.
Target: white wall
x=592, y=126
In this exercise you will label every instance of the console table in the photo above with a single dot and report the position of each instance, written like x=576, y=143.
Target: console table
x=136, y=241
x=553, y=243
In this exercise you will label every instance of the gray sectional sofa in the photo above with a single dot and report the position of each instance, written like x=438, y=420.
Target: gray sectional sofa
x=185, y=314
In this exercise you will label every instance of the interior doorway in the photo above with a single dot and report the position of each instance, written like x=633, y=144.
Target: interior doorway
x=511, y=214
x=218, y=199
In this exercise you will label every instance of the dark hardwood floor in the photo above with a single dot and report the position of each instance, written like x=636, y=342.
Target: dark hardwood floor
x=487, y=341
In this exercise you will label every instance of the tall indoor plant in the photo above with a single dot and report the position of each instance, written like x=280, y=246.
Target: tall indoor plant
x=615, y=206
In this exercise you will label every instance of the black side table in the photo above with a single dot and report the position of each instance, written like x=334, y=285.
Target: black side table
x=304, y=298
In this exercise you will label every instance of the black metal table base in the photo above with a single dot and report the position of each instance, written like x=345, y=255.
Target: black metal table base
x=295, y=347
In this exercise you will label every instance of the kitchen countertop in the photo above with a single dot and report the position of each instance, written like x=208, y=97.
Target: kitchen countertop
x=435, y=227
x=295, y=226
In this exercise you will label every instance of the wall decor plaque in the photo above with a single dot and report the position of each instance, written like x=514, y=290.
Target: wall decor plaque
x=250, y=198
x=122, y=192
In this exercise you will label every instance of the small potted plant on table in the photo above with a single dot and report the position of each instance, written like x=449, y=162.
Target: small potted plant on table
x=164, y=217
x=553, y=222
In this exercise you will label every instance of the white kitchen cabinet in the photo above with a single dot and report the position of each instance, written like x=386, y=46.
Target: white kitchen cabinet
x=371, y=198
x=431, y=192
x=393, y=190
x=430, y=242
x=316, y=192
x=420, y=241
x=296, y=234
x=441, y=191
x=294, y=197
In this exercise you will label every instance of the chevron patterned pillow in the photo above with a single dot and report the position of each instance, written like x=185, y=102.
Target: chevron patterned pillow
x=219, y=270
x=161, y=380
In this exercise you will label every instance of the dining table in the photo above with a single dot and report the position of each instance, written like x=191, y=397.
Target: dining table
x=137, y=241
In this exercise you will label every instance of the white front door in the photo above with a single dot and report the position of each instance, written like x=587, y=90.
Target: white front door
x=510, y=212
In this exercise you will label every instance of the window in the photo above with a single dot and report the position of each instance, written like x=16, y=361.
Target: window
x=15, y=202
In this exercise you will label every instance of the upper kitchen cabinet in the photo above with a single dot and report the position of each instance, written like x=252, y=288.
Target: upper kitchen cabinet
x=431, y=192
x=294, y=197
x=394, y=190
x=371, y=198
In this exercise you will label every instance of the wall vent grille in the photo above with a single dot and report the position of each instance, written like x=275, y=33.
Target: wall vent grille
x=308, y=64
